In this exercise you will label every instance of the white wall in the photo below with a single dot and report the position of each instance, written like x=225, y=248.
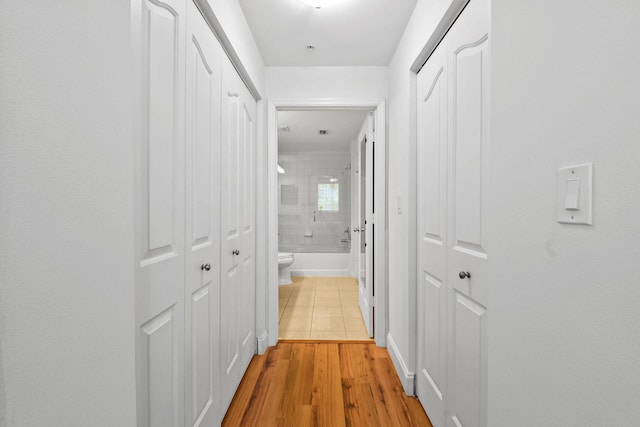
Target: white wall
x=402, y=176
x=66, y=215
x=326, y=82
x=564, y=329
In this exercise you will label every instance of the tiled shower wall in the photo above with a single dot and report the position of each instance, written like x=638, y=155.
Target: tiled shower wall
x=301, y=226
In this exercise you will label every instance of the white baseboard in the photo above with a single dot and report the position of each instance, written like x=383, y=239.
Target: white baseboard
x=321, y=273
x=406, y=377
x=263, y=342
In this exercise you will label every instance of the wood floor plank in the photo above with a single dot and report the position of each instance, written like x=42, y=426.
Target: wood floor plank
x=323, y=384
x=273, y=375
x=327, y=391
x=298, y=391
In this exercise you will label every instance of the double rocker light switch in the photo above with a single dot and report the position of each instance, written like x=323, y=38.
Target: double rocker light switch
x=575, y=186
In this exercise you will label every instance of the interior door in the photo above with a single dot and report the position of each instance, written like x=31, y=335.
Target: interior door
x=202, y=275
x=159, y=40
x=367, y=226
x=238, y=230
x=467, y=254
x=432, y=197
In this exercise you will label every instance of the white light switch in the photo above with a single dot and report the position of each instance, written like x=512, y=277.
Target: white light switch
x=575, y=186
x=572, y=197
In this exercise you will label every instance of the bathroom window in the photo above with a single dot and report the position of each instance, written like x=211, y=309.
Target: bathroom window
x=329, y=197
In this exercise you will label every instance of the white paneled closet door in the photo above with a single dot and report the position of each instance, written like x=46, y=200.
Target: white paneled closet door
x=202, y=272
x=238, y=343
x=432, y=224
x=159, y=39
x=468, y=44
x=453, y=138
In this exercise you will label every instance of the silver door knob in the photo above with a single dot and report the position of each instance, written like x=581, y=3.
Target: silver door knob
x=235, y=252
x=356, y=230
x=205, y=267
x=464, y=275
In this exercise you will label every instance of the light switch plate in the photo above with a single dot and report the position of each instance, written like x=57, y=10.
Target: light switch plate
x=571, y=180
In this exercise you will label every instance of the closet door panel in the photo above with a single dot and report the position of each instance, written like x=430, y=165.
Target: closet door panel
x=238, y=230
x=469, y=162
x=467, y=256
x=158, y=30
x=247, y=253
x=432, y=192
x=231, y=236
x=468, y=379
x=202, y=274
x=453, y=144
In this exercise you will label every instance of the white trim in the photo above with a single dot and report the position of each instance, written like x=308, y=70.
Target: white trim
x=227, y=46
x=406, y=377
x=453, y=11
x=325, y=273
x=325, y=104
x=381, y=257
x=262, y=342
x=412, y=221
x=272, y=224
x=379, y=106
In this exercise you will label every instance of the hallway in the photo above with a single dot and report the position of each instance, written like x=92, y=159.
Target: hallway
x=139, y=205
x=323, y=384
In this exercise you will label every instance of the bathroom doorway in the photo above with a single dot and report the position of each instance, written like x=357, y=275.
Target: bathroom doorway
x=322, y=211
x=318, y=189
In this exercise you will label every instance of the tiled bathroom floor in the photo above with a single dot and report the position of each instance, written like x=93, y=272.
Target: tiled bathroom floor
x=322, y=308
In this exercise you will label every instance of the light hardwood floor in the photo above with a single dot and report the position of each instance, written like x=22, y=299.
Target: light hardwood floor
x=301, y=384
x=320, y=308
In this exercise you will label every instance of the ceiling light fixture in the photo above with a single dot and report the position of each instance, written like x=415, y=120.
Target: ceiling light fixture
x=319, y=3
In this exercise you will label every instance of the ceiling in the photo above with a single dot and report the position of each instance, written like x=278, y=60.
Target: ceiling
x=342, y=127
x=347, y=33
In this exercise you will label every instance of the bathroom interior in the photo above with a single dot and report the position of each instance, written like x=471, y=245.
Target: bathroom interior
x=319, y=204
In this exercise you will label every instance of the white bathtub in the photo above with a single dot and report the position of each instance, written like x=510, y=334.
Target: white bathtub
x=320, y=264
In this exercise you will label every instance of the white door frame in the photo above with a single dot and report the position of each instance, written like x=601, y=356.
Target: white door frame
x=380, y=251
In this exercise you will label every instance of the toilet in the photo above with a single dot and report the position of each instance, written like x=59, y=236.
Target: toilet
x=285, y=259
